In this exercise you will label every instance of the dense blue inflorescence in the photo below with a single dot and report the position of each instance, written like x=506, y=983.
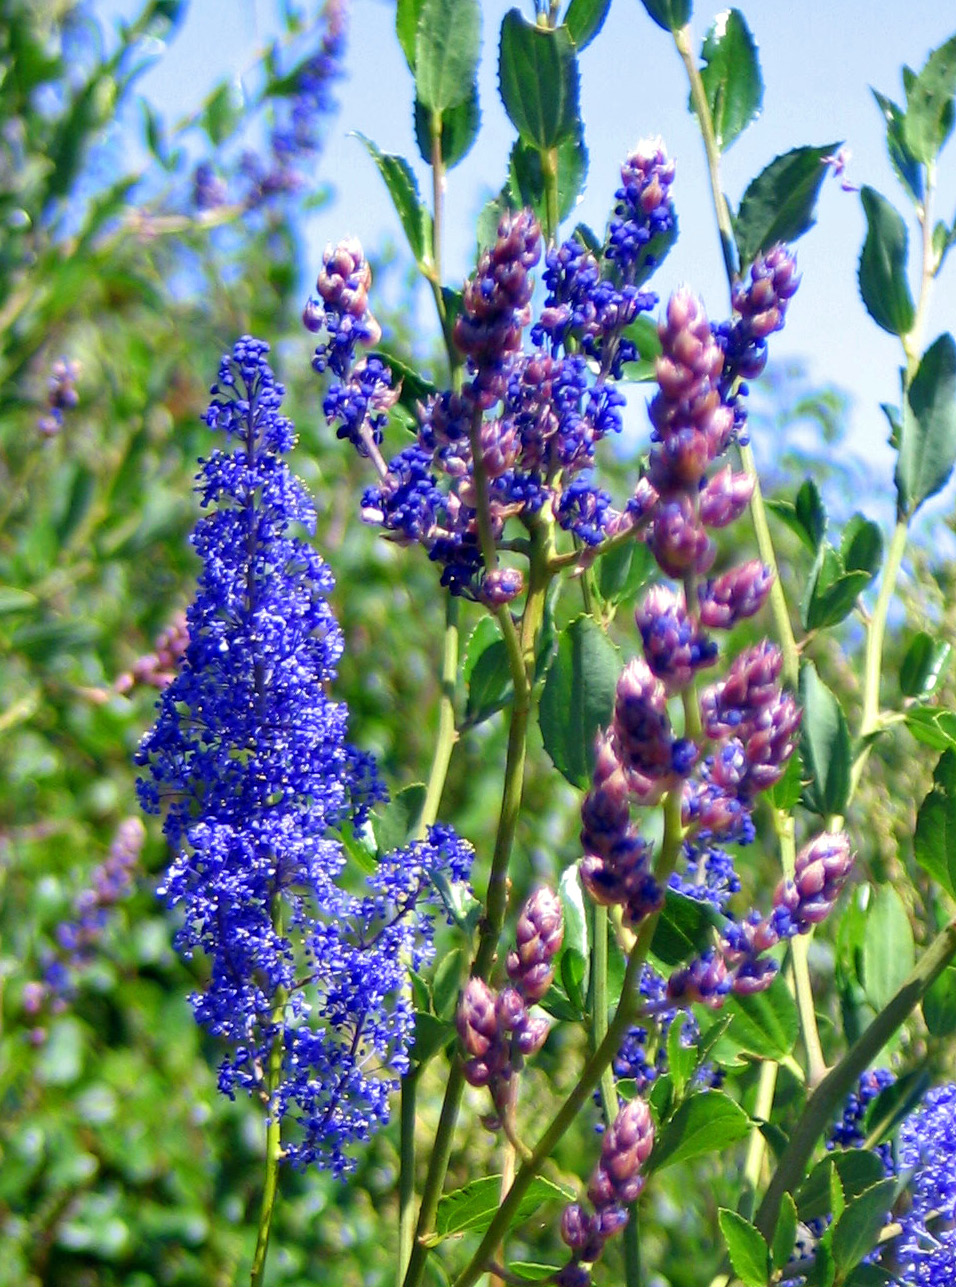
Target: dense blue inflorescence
x=249, y=761
x=925, y=1253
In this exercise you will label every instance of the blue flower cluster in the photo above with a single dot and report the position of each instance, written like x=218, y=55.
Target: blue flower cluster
x=248, y=759
x=925, y=1253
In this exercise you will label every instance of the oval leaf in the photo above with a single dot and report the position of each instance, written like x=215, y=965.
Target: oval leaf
x=669, y=14
x=855, y=1233
x=748, y=1249
x=765, y=1024
x=584, y=19
x=934, y=842
x=882, y=271
x=923, y=665
x=459, y=129
x=538, y=80
x=928, y=431
x=731, y=76
x=779, y=204
x=578, y=698
x=888, y=949
x=703, y=1124
x=526, y=175
x=473, y=1207
x=824, y=745
x=447, y=46
x=402, y=187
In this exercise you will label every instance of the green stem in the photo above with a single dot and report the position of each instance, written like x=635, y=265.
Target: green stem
x=632, y=1249
x=833, y=1089
x=549, y=169
x=627, y=1010
x=757, y=1145
x=270, y=1186
x=406, y=1173
x=447, y=734
x=778, y=601
x=599, y=1027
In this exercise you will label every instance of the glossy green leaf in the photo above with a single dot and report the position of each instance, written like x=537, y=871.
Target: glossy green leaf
x=939, y=1005
x=856, y=1230
x=731, y=76
x=402, y=187
x=888, y=948
x=831, y=593
x=861, y=545
x=526, y=176
x=908, y=169
x=472, y=1208
x=929, y=104
x=538, y=80
x=805, y=515
x=858, y=1170
x=882, y=270
x=934, y=841
x=681, y=1058
x=578, y=698
x=684, y=929
x=447, y=48
x=623, y=570
x=449, y=976
x=584, y=19
x=824, y=745
x=459, y=129
x=571, y=893
x=573, y=971
x=785, y=1234
x=431, y=1035
x=894, y=1103
x=407, y=15
x=669, y=14
x=400, y=818
x=786, y=793
x=490, y=686
x=749, y=1253
x=933, y=728
x=766, y=1023
x=779, y=204
x=927, y=448
x=923, y=666
x=705, y=1123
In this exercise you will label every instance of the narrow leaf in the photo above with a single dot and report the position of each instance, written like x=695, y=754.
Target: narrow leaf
x=407, y=14
x=785, y=1234
x=856, y=1230
x=402, y=187
x=882, y=271
x=731, y=76
x=779, y=204
x=929, y=104
x=538, y=80
x=857, y=1169
x=908, y=169
x=939, y=1005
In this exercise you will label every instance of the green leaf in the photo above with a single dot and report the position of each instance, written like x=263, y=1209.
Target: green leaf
x=934, y=841
x=785, y=1234
x=779, y=204
x=447, y=48
x=908, y=169
x=831, y=593
x=578, y=698
x=472, y=1208
x=526, y=176
x=490, y=686
x=933, y=728
x=705, y=1123
x=13, y=599
x=824, y=745
x=538, y=80
x=882, y=271
x=765, y=1024
x=402, y=187
x=888, y=949
x=929, y=104
x=223, y=111
x=584, y=19
x=861, y=545
x=486, y=228
x=531, y=1271
x=806, y=515
x=928, y=433
x=923, y=666
x=857, y=1229
x=684, y=928
x=449, y=974
x=747, y=1246
x=731, y=76
x=894, y=1104
x=623, y=570
x=575, y=912
x=939, y=1005
x=459, y=129
x=669, y=14
x=857, y=1168
x=573, y=970
x=400, y=818
x=869, y=1276
x=407, y=15
x=681, y=1058
x=431, y=1035
x=943, y=241
x=786, y=793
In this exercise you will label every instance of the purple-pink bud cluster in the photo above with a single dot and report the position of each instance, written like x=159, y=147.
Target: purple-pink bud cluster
x=157, y=669
x=61, y=396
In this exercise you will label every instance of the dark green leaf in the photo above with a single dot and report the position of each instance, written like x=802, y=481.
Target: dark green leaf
x=459, y=129
x=933, y=728
x=490, y=216
x=882, y=270
x=669, y=14
x=431, y=1035
x=684, y=928
x=526, y=176
x=400, y=818
x=785, y=1234
x=573, y=972
x=538, y=80
x=490, y=686
x=895, y=422
x=575, y=913
x=806, y=515
x=578, y=698
x=747, y=1246
x=473, y=1207
x=861, y=546
x=706, y=1123
x=830, y=594
x=824, y=745
x=908, y=169
x=447, y=47
x=681, y=1058
x=786, y=793
x=449, y=974
x=731, y=76
x=765, y=1024
x=934, y=842
x=223, y=112
x=928, y=435
x=929, y=104
x=924, y=665
x=857, y=1169
x=402, y=187
x=939, y=1005
x=894, y=1103
x=413, y=386
x=870, y=1276
x=623, y=570
x=779, y=204
x=856, y=1230
x=584, y=19
x=407, y=14
x=888, y=949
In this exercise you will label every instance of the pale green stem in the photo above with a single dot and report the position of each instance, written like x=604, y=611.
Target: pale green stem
x=632, y=1249
x=599, y=1027
x=833, y=1089
x=757, y=1145
x=406, y=1173
x=270, y=1186
x=627, y=1010
x=549, y=169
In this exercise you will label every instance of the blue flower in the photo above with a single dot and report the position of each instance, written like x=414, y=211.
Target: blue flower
x=925, y=1253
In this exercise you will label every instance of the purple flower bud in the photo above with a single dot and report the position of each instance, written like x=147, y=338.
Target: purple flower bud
x=627, y=1144
x=539, y=934
x=641, y=727
x=678, y=541
x=34, y=997
x=501, y=586
x=510, y=1011
x=575, y=1226
x=531, y=1037
x=345, y=277
x=573, y=1275
x=496, y=300
x=703, y=982
x=762, y=302
x=477, y=1020
x=821, y=871
x=725, y=498
x=738, y=593
x=674, y=646
x=754, y=976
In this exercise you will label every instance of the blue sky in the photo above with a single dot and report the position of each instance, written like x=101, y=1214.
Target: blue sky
x=818, y=58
